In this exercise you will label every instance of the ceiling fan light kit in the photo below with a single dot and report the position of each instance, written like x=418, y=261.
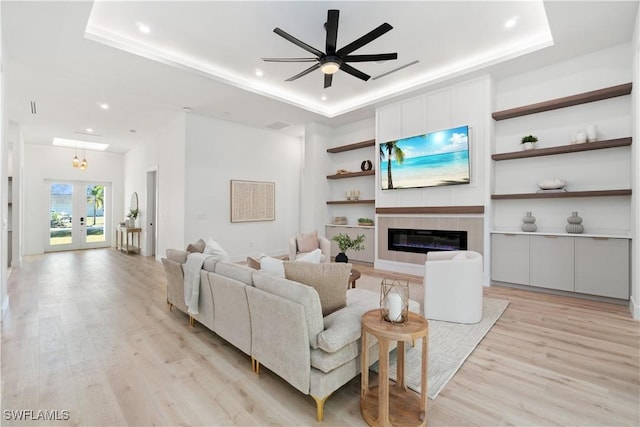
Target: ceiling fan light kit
x=332, y=60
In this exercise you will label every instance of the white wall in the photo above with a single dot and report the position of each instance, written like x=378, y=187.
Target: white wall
x=219, y=151
x=49, y=162
x=163, y=151
x=635, y=154
x=4, y=299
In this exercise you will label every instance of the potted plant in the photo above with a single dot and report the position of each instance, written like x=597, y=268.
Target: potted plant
x=345, y=242
x=131, y=217
x=365, y=221
x=528, y=142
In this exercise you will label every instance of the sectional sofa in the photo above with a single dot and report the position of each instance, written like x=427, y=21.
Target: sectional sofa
x=279, y=322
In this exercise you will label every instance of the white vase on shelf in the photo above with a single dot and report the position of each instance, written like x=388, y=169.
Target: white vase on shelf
x=592, y=134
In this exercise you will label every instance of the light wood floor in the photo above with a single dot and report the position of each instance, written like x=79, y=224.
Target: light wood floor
x=90, y=332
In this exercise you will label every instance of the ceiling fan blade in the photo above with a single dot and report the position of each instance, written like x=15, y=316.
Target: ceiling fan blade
x=304, y=73
x=354, y=72
x=367, y=38
x=297, y=42
x=373, y=57
x=332, y=30
x=328, y=78
x=289, y=59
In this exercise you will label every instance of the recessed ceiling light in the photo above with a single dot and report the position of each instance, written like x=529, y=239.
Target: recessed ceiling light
x=74, y=143
x=323, y=97
x=90, y=130
x=103, y=105
x=511, y=22
x=259, y=72
x=143, y=28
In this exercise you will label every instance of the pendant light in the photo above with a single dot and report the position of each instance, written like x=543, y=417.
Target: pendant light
x=76, y=161
x=84, y=164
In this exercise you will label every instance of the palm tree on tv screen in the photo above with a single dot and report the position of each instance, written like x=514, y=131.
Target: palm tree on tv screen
x=386, y=150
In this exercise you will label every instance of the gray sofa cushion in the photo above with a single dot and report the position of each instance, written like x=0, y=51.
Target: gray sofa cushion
x=210, y=264
x=343, y=327
x=329, y=280
x=299, y=293
x=235, y=271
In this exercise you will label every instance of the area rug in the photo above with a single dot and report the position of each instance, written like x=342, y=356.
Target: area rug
x=449, y=346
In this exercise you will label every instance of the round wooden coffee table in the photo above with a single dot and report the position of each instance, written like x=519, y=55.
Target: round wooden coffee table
x=355, y=275
x=385, y=405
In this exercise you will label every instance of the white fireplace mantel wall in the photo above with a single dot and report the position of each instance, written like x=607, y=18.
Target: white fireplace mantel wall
x=467, y=103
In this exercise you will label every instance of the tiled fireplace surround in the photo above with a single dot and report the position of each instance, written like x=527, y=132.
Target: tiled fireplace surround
x=471, y=224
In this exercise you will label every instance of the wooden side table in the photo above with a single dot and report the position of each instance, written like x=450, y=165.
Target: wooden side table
x=122, y=239
x=383, y=405
x=355, y=275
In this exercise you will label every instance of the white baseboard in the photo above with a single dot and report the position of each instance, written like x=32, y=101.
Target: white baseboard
x=634, y=308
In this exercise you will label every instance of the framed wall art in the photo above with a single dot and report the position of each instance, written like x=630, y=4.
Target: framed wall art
x=253, y=201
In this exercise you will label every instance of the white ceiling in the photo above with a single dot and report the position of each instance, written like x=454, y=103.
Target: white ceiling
x=68, y=57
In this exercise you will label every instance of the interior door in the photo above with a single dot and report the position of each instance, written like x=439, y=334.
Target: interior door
x=78, y=215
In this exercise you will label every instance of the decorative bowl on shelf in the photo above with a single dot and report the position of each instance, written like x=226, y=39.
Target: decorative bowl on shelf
x=340, y=220
x=552, y=184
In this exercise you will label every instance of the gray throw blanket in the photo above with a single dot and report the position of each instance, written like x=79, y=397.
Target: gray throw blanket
x=192, y=280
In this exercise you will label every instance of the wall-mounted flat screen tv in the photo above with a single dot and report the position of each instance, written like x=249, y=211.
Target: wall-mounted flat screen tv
x=427, y=160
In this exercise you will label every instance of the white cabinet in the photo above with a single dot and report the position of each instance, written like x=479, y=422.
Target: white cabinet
x=551, y=262
x=602, y=267
x=510, y=258
x=591, y=265
x=365, y=255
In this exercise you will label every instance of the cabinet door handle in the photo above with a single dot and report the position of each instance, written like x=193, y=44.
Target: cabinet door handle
x=509, y=234
x=600, y=238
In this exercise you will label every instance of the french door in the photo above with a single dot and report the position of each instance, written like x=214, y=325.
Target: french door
x=78, y=216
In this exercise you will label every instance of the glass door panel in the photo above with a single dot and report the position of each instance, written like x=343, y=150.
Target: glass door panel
x=95, y=214
x=60, y=214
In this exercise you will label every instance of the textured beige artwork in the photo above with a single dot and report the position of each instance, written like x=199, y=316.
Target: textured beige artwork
x=253, y=201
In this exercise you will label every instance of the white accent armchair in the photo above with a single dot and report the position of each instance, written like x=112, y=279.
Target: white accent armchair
x=453, y=286
x=323, y=243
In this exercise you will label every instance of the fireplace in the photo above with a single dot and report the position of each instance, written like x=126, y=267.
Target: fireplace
x=423, y=241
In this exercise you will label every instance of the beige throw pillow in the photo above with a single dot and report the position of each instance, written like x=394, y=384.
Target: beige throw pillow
x=307, y=242
x=197, y=246
x=329, y=280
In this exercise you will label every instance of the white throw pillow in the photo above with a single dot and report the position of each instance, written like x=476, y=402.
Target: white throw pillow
x=213, y=248
x=272, y=266
x=313, y=257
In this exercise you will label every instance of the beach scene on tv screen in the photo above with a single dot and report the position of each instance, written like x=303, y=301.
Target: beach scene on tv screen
x=427, y=160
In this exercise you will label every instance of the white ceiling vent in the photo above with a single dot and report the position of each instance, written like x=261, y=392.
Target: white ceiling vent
x=277, y=125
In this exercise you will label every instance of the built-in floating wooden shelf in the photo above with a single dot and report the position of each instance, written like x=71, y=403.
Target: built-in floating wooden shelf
x=563, y=194
x=567, y=101
x=351, y=202
x=432, y=210
x=562, y=149
x=355, y=146
x=351, y=174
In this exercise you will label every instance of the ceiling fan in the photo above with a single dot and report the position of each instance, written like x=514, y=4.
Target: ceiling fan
x=334, y=59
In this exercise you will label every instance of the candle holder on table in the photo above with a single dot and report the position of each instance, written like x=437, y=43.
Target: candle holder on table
x=394, y=300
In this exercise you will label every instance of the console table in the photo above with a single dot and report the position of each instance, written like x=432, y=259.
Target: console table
x=128, y=239
x=384, y=405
